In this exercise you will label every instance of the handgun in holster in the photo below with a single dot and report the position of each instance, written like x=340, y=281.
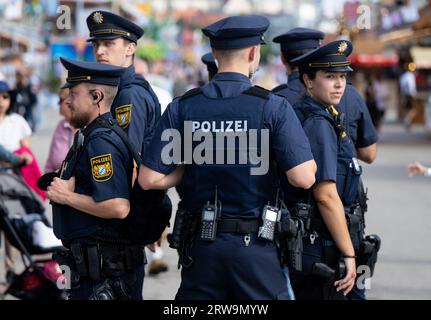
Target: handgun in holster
x=79, y=259
x=291, y=231
x=369, y=249
x=322, y=270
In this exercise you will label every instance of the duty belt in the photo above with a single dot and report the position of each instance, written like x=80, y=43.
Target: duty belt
x=241, y=226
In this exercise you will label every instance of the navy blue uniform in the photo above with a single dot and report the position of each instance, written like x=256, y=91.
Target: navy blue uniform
x=361, y=128
x=293, y=90
x=99, y=257
x=136, y=108
x=333, y=155
x=103, y=170
x=227, y=267
x=333, y=151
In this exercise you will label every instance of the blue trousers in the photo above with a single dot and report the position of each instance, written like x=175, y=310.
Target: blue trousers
x=228, y=269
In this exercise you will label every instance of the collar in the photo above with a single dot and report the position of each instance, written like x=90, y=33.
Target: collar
x=106, y=115
x=231, y=76
x=128, y=75
x=292, y=76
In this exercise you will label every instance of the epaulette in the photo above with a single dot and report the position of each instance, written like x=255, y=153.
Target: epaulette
x=279, y=88
x=258, y=92
x=190, y=93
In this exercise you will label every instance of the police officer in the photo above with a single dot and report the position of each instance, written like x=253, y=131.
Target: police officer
x=209, y=61
x=236, y=263
x=361, y=130
x=136, y=107
x=299, y=41
x=328, y=256
x=91, y=196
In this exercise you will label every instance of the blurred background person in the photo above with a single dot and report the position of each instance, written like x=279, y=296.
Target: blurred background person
x=62, y=137
x=26, y=98
x=408, y=93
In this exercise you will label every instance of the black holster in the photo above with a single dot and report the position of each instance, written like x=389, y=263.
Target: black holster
x=104, y=263
x=369, y=249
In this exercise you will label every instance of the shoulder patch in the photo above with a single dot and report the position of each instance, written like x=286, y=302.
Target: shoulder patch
x=123, y=115
x=102, y=168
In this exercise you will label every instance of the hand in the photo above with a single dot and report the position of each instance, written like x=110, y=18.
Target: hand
x=26, y=158
x=416, y=168
x=346, y=284
x=60, y=190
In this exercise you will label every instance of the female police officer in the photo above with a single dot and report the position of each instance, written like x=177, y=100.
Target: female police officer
x=235, y=263
x=323, y=72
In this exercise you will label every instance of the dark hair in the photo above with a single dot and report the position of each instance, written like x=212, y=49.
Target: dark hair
x=292, y=54
x=12, y=96
x=311, y=73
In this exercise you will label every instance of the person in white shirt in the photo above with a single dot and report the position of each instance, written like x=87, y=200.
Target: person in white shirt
x=408, y=93
x=14, y=129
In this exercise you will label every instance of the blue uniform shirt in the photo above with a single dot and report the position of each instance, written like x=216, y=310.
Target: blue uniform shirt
x=361, y=128
x=332, y=152
x=324, y=146
x=221, y=99
x=136, y=108
x=293, y=90
x=103, y=171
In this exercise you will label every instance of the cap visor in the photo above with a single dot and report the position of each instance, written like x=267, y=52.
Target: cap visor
x=67, y=85
x=339, y=69
x=103, y=37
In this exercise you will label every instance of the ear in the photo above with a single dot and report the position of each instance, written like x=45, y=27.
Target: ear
x=131, y=49
x=307, y=81
x=252, y=53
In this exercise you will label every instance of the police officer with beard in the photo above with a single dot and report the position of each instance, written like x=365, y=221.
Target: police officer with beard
x=90, y=198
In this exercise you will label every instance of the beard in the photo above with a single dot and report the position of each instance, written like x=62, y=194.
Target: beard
x=79, y=121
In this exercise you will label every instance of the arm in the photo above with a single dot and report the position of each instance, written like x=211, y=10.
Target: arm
x=416, y=168
x=302, y=175
x=62, y=192
x=332, y=212
x=8, y=156
x=367, y=154
x=25, y=143
x=150, y=179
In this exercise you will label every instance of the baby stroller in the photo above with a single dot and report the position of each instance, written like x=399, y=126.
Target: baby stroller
x=26, y=228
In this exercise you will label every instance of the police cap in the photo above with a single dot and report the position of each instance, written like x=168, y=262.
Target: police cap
x=237, y=32
x=332, y=57
x=91, y=72
x=299, y=38
x=106, y=25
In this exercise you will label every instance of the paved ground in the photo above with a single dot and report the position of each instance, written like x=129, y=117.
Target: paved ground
x=398, y=212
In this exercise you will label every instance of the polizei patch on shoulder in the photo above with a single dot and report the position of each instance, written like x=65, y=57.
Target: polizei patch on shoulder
x=123, y=115
x=101, y=167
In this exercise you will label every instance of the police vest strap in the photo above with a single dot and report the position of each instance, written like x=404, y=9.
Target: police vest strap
x=258, y=92
x=241, y=226
x=191, y=93
x=279, y=88
x=110, y=124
